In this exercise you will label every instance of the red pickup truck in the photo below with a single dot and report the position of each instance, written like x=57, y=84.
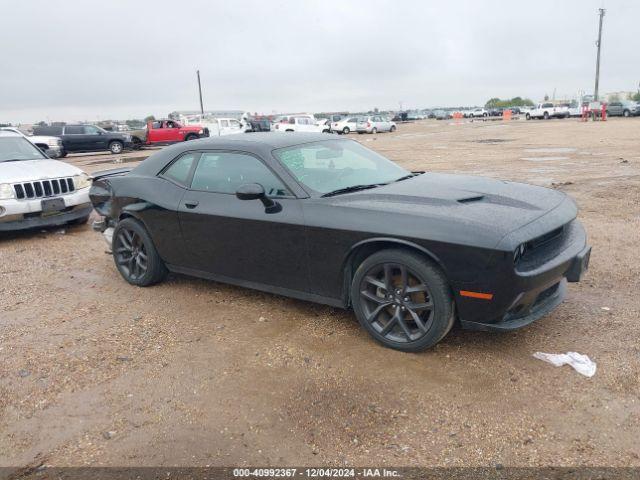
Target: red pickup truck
x=163, y=132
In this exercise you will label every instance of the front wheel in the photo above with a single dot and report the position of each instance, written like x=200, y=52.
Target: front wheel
x=346, y=130
x=545, y=115
x=116, y=147
x=190, y=137
x=527, y=116
x=402, y=300
x=626, y=113
x=392, y=129
x=374, y=130
x=135, y=255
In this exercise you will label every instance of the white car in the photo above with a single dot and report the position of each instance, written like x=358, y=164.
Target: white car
x=36, y=191
x=478, y=113
x=346, y=125
x=375, y=124
x=218, y=127
x=547, y=111
x=52, y=146
x=300, y=124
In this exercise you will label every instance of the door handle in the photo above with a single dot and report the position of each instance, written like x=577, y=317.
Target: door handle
x=191, y=203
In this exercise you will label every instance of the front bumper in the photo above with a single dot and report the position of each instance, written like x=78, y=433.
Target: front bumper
x=520, y=297
x=25, y=214
x=69, y=214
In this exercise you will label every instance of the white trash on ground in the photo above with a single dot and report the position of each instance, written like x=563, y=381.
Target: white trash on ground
x=580, y=363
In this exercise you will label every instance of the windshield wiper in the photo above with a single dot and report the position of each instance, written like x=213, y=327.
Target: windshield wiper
x=411, y=175
x=352, y=188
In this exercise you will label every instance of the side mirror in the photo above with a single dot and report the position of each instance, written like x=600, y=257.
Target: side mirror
x=255, y=191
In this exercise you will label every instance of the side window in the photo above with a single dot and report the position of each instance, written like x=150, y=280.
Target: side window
x=224, y=123
x=90, y=130
x=74, y=130
x=156, y=125
x=224, y=172
x=234, y=123
x=179, y=170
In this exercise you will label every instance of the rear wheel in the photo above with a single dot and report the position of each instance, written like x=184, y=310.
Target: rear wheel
x=393, y=128
x=545, y=115
x=116, y=147
x=191, y=136
x=527, y=116
x=346, y=130
x=626, y=113
x=135, y=255
x=402, y=300
x=374, y=130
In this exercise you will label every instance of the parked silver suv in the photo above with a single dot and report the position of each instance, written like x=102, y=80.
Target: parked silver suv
x=623, y=109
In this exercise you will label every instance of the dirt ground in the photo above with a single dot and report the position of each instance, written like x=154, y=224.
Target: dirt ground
x=94, y=371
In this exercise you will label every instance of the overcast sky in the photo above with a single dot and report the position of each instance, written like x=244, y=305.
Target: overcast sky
x=86, y=60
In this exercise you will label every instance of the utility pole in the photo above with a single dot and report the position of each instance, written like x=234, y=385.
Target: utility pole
x=200, y=92
x=598, y=44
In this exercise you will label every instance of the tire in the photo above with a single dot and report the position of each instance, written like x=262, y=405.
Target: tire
x=626, y=113
x=485, y=114
x=360, y=133
x=136, y=143
x=374, y=130
x=116, y=147
x=545, y=115
x=389, y=317
x=191, y=136
x=63, y=154
x=346, y=130
x=289, y=130
x=392, y=129
x=527, y=116
x=131, y=244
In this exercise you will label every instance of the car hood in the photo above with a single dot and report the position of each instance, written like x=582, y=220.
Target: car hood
x=29, y=170
x=465, y=206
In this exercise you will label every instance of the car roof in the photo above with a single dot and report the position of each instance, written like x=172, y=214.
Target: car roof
x=259, y=143
x=264, y=139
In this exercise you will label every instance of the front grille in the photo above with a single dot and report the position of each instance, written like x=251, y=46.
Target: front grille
x=544, y=248
x=43, y=188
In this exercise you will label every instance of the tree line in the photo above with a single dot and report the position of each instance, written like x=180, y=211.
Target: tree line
x=509, y=102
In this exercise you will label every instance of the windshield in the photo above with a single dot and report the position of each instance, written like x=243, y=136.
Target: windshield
x=335, y=164
x=18, y=148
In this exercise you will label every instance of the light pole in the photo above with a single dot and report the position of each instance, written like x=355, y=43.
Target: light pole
x=200, y=92
x=598, y=44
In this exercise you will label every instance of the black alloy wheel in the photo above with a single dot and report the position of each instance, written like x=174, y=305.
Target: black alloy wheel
x=135, y=255
x=402, y=300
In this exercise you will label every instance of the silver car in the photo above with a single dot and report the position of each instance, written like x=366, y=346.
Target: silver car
x=375, y=124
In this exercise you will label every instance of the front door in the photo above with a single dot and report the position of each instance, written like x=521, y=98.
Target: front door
x=238, y=239
x=94, y=139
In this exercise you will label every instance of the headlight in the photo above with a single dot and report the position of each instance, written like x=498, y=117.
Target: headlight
x=6, y=191
x=55, y=143
x=81, y=181
x=200, y=132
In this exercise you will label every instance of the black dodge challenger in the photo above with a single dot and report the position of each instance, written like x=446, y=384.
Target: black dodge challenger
x=327, y=220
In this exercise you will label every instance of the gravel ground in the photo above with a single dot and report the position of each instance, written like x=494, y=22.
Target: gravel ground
x=94, y=371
